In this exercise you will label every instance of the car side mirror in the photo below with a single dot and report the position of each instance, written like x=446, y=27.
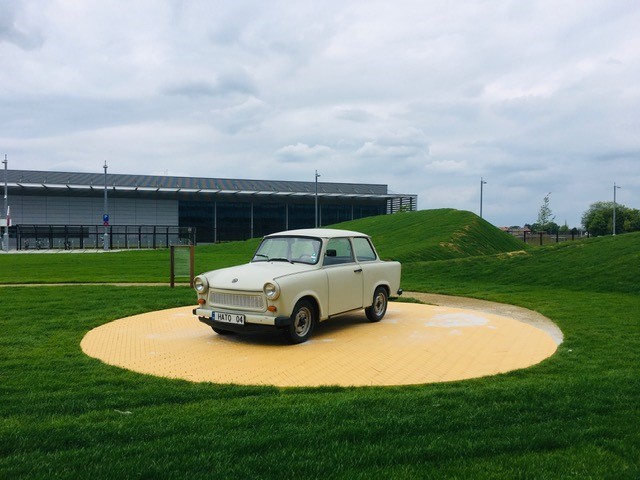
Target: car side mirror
x=331, y=253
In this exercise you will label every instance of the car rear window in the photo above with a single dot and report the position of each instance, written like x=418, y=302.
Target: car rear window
x=364, y=250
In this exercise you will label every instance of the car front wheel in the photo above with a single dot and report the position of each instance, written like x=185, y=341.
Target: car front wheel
x=303, y=322
x=379, y=306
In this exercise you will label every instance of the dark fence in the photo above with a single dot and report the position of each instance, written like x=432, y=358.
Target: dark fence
x=68, y=237
x=540, y=238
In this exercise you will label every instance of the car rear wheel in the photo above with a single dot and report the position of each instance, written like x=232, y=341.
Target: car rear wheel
x=303, y=322
x=378, y=308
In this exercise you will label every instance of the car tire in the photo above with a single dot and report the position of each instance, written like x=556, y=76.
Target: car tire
x=219, y=331
x=303, y=321
x=378, y=308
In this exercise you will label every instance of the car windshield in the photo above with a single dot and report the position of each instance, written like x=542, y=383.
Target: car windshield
x=288, y=249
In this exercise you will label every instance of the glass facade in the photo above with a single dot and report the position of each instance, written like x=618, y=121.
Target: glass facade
x=222, y=221
x=268, y=218
x=199, y=215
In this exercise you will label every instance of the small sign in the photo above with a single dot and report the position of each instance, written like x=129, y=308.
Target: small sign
x=106, y=224
x=105, y=218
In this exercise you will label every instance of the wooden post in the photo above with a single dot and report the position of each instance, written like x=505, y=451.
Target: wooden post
x=192, y=273
x=172, y=270
x=172, y=258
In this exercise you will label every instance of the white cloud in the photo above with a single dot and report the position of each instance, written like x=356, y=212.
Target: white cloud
x=411, y=143
x=13, y=30
x=426, y=97
x=447, y=166
x=303, y=152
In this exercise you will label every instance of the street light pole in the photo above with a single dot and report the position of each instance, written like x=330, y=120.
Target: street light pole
x=482, y=184
x=5, y=237
x=105, y=217
x=317, y=175
x=615, y=187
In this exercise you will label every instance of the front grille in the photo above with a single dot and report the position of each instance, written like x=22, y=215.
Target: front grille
x=236, y=300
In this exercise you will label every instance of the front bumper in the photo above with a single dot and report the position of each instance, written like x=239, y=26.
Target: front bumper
x=253, y=322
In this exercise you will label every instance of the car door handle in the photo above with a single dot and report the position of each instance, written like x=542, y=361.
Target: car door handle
x=358, y=270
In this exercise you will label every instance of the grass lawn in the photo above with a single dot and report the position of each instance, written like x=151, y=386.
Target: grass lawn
x=135, y=266
x=575, y=415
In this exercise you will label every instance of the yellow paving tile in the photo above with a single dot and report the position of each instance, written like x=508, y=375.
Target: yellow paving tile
x=414, y=344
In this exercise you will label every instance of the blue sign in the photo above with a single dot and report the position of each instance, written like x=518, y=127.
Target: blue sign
x=105, y=217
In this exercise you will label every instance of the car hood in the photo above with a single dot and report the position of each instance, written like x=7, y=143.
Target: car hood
x=252, y=276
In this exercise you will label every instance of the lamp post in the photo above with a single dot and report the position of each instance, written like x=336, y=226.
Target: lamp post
x=615, y=187
x=105, y=217
x=482, y=184
x=5, y=237
x=316, y=209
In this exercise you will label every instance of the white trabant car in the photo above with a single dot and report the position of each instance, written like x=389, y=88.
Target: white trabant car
x=295, y=280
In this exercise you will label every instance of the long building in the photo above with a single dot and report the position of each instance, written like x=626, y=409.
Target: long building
x=53, y=204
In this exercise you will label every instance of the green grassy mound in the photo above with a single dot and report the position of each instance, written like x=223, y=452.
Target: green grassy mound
x=434, y=235
x=604, y=264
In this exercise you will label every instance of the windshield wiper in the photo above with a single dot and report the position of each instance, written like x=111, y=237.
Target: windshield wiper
x=280, y=259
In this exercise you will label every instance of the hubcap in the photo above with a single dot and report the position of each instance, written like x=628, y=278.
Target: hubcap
x=302, y=322
x=379, y=304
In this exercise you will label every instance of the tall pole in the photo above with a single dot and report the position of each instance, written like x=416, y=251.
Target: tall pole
x=5, y=237
x=615, y=187
x=482, y=184
x=317, y=175
x=105, y=217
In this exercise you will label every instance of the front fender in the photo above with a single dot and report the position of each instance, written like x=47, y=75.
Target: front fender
x=313, y=284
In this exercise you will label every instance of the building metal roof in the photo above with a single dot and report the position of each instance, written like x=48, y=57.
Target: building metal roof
x=48, y=180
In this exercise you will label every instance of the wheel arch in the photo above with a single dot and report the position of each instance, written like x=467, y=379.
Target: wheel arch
x=384, y=285
x=314, y=301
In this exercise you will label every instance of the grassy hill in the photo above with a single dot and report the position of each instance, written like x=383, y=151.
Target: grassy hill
x=434, y=235
x=603, y=264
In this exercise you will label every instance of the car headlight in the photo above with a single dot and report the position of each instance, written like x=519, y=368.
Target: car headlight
x=271, y=290
x=200, y=284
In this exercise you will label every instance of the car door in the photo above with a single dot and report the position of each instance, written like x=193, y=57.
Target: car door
x=371, y=267
x=344, y=277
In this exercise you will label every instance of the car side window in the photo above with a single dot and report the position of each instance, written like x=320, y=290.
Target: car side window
x=338, y=251
x=364, y=250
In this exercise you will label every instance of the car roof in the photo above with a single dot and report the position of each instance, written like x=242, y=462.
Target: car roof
x=318, y=232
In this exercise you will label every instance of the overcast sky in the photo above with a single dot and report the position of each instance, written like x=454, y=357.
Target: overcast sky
x=424, y=96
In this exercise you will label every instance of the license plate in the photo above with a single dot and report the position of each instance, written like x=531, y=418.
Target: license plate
x=228, y=318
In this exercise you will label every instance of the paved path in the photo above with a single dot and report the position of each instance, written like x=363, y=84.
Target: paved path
x=521, y=314
x=413, y=344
